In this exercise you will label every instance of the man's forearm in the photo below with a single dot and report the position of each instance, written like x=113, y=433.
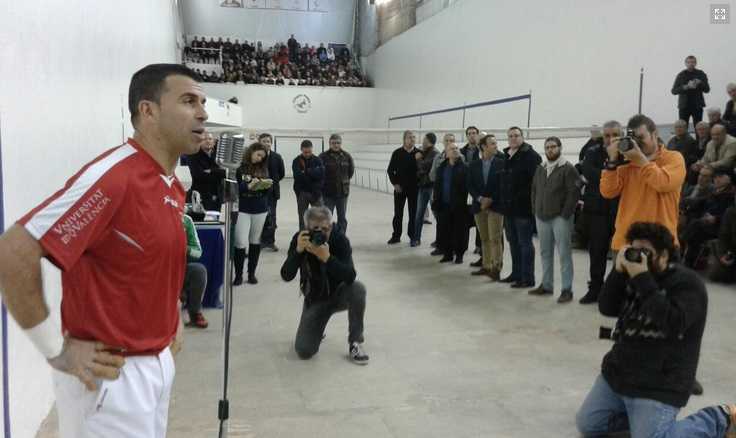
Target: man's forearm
x=20, y=277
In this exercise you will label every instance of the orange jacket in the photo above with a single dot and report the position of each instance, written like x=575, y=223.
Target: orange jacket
x=649, y=193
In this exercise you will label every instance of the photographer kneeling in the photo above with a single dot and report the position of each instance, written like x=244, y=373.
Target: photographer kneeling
x=323, y=257
x=647, y=376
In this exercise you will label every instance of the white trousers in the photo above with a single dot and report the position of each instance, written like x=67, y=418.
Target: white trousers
x=249, y=228
x=136, y=405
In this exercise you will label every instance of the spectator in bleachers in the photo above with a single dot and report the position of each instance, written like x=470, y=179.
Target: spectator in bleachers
x=693, y=197
x=425, y=159
x=600, y=212
x=402, y=171
x=276, y=172
x=516, y=183
x=339, y=170
x=714, y=117
x=484, y=186
x=729, y=115
x=684, y=143
x=720, y=151
x=309, y=175
x=555, y=194
x=689, y=86
x=195, y=44
x=707, y=221
x=195, y=277
x=293, y=48
x=450, y=198
x=723, y=265
x=648, y=183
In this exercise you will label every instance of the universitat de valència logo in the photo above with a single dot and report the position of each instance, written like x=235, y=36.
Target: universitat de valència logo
x=302, y=103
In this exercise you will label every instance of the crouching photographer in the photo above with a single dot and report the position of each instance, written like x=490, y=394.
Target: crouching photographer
x=323, y=256
x=647, y=376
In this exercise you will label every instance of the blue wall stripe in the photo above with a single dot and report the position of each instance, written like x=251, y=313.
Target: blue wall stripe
x=457, y=108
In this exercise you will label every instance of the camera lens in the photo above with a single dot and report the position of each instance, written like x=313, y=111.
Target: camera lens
x=633, y=255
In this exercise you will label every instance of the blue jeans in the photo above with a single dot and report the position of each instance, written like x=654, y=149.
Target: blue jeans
x=423, y=198
x=556, y=232
x=605, y=412
x=519, y=230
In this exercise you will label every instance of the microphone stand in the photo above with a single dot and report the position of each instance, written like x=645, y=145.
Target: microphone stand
x=230, y=195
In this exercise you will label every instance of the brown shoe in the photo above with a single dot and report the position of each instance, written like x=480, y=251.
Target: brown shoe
x=540, y=291
x=565, y=296
x=481, y=271
x=495, y=275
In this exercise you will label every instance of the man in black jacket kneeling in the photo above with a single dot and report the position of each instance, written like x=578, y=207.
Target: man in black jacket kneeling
x=647, y=376
x=323, y=256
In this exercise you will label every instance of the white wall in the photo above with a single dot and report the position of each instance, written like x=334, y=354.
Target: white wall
x=65, y=69
x=206, y=17
x=272, y=107
x=580, y=58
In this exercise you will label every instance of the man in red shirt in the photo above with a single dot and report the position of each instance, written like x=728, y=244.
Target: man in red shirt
x=114, y=230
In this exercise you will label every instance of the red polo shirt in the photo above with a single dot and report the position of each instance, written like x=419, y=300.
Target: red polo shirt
x=115, y=232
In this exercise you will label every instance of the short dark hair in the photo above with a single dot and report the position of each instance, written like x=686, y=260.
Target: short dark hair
x=515, y=127
x=484, y=140
x=306, y=144
x=431, y=137
x=656, y=234
x=641, y=119
x=554, y=139
x=264, y=135
x=691, y=57
x=335, y=137
x=148, y=84
x=471, y=127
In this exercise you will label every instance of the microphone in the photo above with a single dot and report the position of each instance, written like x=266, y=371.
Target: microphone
x=230, y=150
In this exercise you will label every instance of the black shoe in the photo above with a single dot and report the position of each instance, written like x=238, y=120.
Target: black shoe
x=477, y=264
x=426, y=222
x=436, y=252
x=252, y=279
x=459, y=260
x=697, y=388
x=508, y=279
x=476, y=251
x=539, y=291
x=393, y=241
x=239, y=260
x=565, y=296
x=238, y=280
x=589, y=298
x=522, y=285
x=433, y=244
x=446, y=259
x=415, y=243
x=357, y=354
x=255, y=253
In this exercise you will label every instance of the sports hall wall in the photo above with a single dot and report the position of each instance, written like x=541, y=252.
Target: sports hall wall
x=207, y=17
x=55, y=115
x=581, y=59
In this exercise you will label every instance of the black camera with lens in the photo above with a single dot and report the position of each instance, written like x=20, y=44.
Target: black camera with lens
x=633, y=255
x=317, y=237
x=628, y=142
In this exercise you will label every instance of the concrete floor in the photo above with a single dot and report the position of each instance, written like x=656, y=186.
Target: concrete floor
x=451, y=355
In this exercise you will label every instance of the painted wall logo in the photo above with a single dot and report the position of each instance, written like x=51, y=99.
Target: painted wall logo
x=77, y=221
x=720, y=14
x=302, y=103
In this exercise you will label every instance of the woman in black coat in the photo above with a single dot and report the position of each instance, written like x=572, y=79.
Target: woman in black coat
x=450, y=202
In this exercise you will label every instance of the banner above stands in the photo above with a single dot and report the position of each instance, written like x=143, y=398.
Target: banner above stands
x=283, y=5
x=223, y=114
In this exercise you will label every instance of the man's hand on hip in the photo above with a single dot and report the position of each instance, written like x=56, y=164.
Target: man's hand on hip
x=88, y=361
